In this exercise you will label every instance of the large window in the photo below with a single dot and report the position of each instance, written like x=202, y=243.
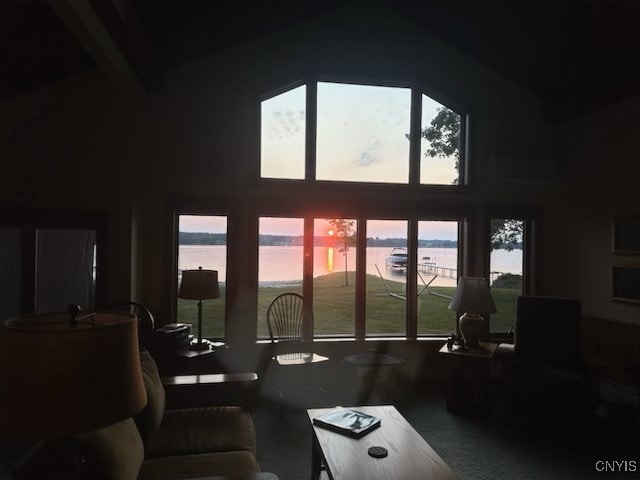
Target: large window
x=354, y=273
x=437, y=266
x=280, y=259
x=334, y=276
x=363, y=133
x=508, y=268
x=384, y=270
x=387, y=263
x=202, y=242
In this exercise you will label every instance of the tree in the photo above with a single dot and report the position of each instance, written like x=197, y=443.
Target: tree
x=344, y=230
x=443, y=135
x=506, y=233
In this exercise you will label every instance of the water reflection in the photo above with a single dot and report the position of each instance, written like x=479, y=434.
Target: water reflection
x=329, y=259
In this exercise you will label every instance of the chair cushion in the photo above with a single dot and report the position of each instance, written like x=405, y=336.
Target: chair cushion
x=203, y=430
x=202, y=465
x=112, y=453
x=150, y=418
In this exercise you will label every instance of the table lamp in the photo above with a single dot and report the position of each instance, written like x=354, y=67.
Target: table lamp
x=68, y=373
x=472, y=296
x=199, y=285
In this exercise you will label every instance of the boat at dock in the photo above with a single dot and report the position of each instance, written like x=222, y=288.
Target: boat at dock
x=397, y=259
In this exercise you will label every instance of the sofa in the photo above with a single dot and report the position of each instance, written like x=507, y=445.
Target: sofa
x=159, y=444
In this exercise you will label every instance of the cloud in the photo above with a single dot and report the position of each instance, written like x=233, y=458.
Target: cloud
x=284, y=124
x=368, y=156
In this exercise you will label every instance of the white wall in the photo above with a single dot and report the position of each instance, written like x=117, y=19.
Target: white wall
x=599, y=153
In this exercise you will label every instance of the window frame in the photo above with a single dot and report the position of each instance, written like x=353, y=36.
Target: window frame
x=415, y=121
x=411, y=309
x=530, y=250
x=201, y=207
x=29, y=222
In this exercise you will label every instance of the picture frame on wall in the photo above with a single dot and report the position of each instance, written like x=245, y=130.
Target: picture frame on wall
x=625, y=283
x=626, y=235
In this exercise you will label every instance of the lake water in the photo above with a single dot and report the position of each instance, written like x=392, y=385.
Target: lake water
x=278, y=264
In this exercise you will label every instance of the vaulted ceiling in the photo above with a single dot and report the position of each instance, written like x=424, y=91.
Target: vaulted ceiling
x=576, y=56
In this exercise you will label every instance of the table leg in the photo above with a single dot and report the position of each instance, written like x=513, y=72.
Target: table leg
x=316, y=459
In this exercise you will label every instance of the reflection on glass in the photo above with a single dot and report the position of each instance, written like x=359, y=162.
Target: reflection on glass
x=202, y=242
x=440, y=144
x=65, y=269
x=437, y=259
x=282, y=135
x=280, y=262
x=334, y=295
x=386, y=277
x=362, y=133
x=506, y=270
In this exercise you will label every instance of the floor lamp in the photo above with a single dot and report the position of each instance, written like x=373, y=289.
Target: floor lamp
x=199, y=285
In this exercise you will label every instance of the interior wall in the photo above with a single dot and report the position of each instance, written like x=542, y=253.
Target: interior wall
x=71, y=146
x=602, y=168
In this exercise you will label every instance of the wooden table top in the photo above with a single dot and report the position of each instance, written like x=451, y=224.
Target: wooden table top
x=409, y=458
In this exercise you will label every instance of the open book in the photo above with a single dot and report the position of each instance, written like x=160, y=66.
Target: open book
x=348, y=422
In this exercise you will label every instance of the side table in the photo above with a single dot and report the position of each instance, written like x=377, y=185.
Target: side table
x=469, y=378
x=376, y=377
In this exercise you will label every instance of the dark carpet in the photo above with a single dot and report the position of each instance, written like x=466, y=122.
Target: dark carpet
x=474, y=448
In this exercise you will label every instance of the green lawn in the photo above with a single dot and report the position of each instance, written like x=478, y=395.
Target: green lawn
x=334, y=308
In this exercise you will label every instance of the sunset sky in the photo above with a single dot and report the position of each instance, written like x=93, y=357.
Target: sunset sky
x=293, y=226
x=361, y=135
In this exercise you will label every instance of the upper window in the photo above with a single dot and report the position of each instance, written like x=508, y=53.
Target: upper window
x=441, y=133
x=363, y=133
x=282, y=140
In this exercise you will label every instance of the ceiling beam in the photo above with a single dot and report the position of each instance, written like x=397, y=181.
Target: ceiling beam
x=109, y=32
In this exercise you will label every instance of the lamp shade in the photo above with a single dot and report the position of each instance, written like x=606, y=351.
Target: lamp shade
x=472, y=295
x=58, y=380
x=199, y=284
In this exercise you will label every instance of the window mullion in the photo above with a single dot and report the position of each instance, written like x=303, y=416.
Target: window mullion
x=307, y=278
x=311, y=127
x=361, y=279
x=412, y=275
x=414, y=137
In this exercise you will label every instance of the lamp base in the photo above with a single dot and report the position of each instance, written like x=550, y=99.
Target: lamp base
x=471, y=327
x=199, y=344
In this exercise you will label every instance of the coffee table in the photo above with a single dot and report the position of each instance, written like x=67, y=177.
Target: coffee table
x=346, y=458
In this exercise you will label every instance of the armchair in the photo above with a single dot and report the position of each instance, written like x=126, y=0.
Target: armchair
x=161, y=444
x=192, y=442
x=548, y=373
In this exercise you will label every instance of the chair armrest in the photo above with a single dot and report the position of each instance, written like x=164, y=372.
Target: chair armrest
x=209, y=379
x=505, y=349
x=211, y=389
